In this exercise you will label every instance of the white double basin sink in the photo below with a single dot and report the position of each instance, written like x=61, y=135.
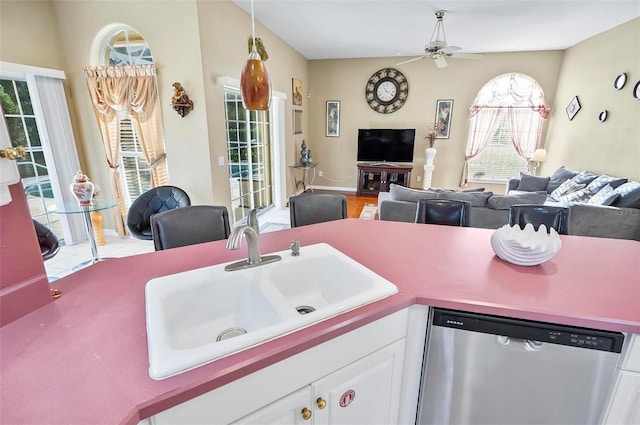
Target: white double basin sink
x=198, y=316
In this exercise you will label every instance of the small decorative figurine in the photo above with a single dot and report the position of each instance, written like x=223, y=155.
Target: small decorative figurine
x=304, y=154
x=180, y=101
x=82, y=189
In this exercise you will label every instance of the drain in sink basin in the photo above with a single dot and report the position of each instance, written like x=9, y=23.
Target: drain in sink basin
x=305, y=309
x=230, y=333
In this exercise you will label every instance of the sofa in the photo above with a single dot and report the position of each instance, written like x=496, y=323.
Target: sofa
x=600, y=205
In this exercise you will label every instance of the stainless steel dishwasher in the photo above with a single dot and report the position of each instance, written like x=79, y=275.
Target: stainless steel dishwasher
x=483, y=369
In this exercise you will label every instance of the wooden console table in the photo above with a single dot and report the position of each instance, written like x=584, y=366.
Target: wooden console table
x=374, y=178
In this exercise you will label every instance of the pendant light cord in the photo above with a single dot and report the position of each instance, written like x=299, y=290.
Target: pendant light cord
x=253, y=27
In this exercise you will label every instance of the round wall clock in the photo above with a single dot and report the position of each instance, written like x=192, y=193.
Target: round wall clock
x=387, y=90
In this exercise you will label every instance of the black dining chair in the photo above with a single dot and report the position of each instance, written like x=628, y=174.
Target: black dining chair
x=311, y=208
x=549, y=215
x=49, y=242
x=443, y=211
x=153, y=201
x=189, y=225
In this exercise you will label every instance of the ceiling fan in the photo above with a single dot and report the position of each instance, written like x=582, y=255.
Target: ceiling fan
x=437, y=48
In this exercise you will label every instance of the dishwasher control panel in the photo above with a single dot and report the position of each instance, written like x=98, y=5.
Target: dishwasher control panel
x=530, y=330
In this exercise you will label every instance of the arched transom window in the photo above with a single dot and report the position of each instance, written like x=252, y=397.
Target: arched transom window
x=505, y=128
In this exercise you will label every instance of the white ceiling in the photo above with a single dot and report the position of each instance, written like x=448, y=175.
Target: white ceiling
x=332, y=29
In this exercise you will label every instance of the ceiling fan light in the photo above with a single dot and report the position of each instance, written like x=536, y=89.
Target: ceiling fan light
x=255, y=84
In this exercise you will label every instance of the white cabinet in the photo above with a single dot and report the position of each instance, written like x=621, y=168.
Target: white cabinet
x=294, y=409
x=623, y=407
x=367, y=370
x=364, y=392
x=8, y=168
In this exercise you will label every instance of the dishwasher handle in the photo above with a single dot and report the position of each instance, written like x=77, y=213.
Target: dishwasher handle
x=526, y=344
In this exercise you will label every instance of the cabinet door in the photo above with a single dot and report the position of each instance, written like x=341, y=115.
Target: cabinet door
x=624, y=405
x=294, y=409
x=371, y=181
x=364, y=392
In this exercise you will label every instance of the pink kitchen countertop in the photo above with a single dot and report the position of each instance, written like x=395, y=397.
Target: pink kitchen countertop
x=83, y=358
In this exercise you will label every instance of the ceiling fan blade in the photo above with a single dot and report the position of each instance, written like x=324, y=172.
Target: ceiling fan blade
x=441, y=62
x=411, y=60
x=467, y=56
x=449, y=49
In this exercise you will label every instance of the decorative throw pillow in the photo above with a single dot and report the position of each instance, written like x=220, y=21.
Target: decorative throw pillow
x=603, y=180
x=531, y=183
x=629, y=195
x=500, y=202
x=584, y=177
x=582, y=195
x=605, y=196
x=565, y=188
x=560, y=176
x=401, y=193
x=477, y=199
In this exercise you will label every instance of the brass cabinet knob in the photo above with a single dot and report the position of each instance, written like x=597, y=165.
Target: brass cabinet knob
x=306, y=414
x=321, y=403
x=13, y=153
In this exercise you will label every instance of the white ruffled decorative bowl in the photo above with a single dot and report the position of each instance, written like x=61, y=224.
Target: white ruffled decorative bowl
x=525, y=247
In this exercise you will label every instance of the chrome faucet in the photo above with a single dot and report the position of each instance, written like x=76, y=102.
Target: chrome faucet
x=252, y=232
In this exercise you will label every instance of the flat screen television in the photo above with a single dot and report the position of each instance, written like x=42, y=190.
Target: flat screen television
x=386, y=145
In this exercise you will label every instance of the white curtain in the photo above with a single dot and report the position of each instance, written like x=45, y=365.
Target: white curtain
x=56, y=133
x=484, y=122
x=525, y=126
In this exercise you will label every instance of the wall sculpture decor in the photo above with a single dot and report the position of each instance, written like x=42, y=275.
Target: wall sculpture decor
x=180, y=101
x=573, y=108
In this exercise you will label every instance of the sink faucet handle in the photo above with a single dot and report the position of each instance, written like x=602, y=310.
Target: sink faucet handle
x=295, y=248
x=252, y=220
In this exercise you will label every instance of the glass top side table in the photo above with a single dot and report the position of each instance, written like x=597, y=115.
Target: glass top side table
x=303, y=181
x=76, y=208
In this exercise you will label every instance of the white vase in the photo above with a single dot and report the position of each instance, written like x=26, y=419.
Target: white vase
x=430, y=154
x=82, y=189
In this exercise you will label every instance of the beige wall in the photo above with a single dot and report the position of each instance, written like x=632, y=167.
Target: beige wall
x=29, y=35
x=195, y=41
x=192, y=41
x=588, y=71
x=345, y=80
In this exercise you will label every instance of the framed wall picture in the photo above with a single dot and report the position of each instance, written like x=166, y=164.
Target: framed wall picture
x=297, y=121
x=296, y=92
x=333, y=118
x=573, y=108
x=443, y=118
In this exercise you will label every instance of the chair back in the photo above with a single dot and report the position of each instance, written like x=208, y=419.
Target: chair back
x=443, y=211
x=49, y=242
x=189, y=226
x=311, y=208
x=153, y=201
x=549, y=215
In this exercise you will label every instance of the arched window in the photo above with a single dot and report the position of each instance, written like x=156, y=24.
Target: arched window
x=124, y=93
x=125, y=46
x=505, y=128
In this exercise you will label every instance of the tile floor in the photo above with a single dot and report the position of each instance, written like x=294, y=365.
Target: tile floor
x=70, y=256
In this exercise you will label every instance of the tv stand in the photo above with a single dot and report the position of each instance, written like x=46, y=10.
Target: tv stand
x=382, y=164
x=375, y=178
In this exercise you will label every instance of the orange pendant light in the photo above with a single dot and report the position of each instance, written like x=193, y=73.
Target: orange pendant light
x=255, y=84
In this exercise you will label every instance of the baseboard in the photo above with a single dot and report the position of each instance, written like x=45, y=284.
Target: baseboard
x=335, y=188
